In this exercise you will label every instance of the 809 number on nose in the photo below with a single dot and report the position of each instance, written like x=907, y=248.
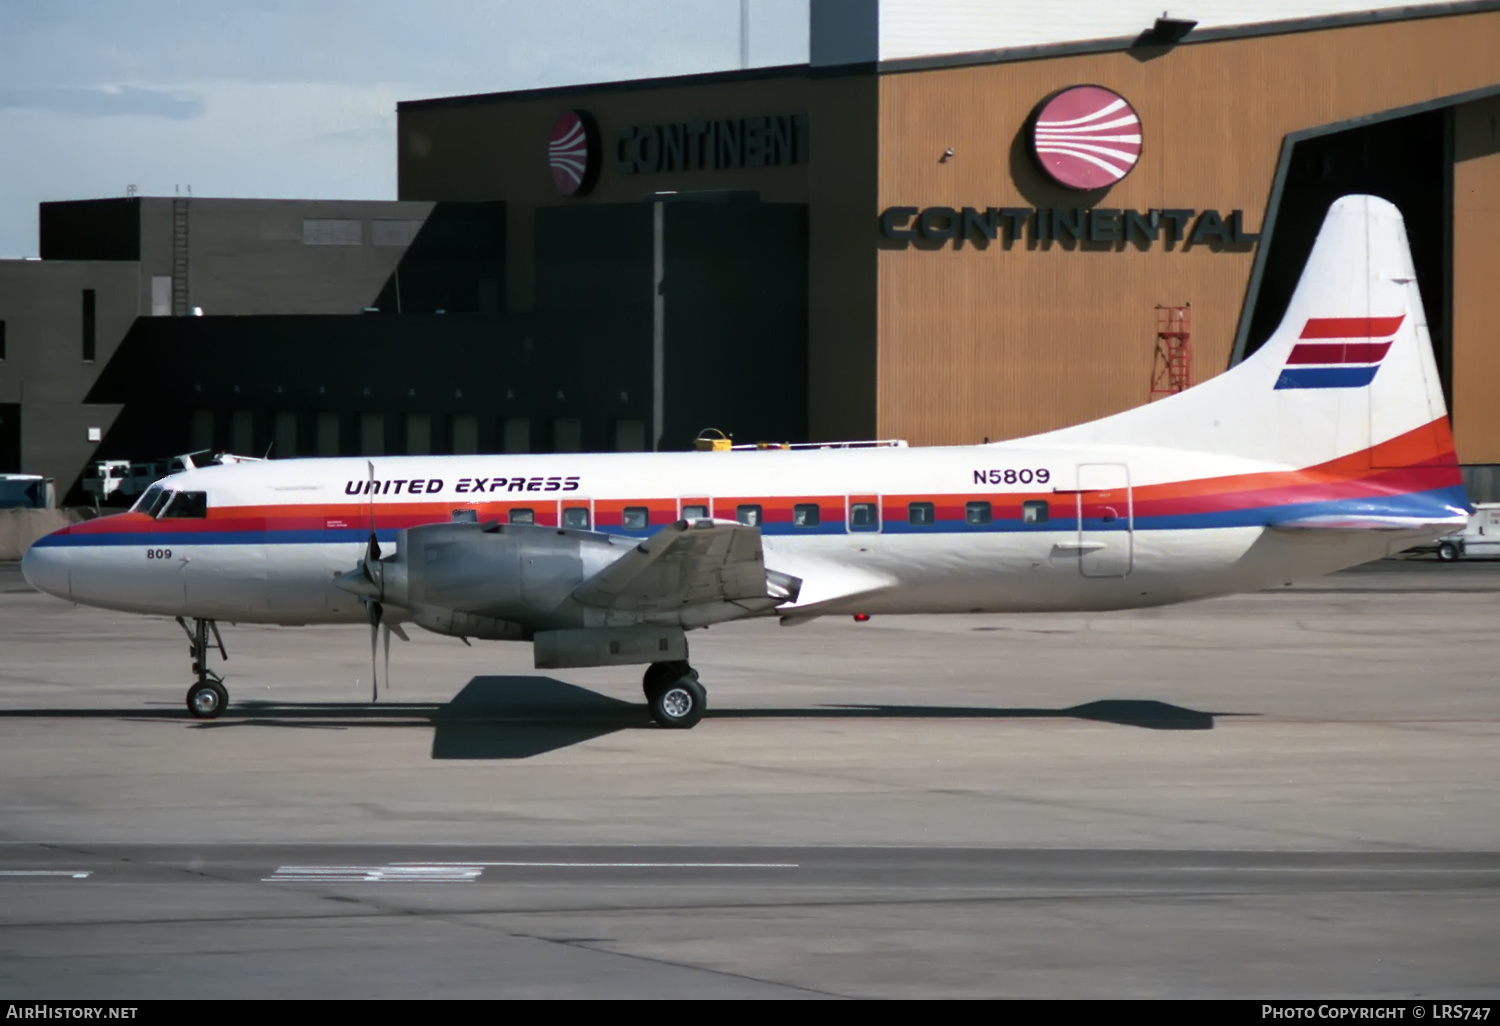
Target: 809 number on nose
x=158, y=553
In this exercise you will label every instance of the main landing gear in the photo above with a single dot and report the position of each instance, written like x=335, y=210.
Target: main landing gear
x=208, y=697
x=674, y=694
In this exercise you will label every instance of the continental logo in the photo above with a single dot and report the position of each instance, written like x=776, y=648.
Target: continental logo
x=1086, y=137
x=573, y=152
x=708, y=145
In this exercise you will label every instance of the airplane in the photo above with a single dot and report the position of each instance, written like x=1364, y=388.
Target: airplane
x=1328, y=447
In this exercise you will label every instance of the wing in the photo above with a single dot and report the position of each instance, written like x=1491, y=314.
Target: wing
x=698, y=563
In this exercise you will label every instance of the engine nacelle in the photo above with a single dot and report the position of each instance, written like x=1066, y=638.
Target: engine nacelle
x=494, y=580
x=466, y=625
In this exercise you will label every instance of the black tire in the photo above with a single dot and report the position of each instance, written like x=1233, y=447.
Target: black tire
x=207, y=699
x=1448, y=552
x=677, y=703
x=659, y=672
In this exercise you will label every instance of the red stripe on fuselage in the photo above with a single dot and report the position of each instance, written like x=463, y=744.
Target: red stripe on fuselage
x=1338, y=352
x=1352, y=327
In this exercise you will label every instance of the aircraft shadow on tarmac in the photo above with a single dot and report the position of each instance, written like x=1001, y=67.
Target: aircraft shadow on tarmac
x=523, y=716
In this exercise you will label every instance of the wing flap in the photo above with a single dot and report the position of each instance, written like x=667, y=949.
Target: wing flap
x=685, y=564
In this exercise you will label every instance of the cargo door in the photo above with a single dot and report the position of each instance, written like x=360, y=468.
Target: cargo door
x=1105, y=520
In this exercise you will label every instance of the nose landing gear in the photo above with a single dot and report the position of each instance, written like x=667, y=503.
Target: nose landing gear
x=676, y=698
x=208, y=697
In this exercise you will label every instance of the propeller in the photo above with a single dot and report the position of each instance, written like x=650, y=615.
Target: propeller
x=367, y=581
x=376, y=575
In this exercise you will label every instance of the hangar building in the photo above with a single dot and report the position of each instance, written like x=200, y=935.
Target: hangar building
x=956, y=289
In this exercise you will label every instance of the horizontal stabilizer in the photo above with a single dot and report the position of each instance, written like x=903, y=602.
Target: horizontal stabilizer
x=1344, y=522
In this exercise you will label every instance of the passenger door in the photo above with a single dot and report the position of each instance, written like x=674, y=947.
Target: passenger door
x=1106, y=520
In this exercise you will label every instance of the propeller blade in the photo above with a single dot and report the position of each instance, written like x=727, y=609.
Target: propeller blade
x=395, y=628
x=387, y=640
x=374, y=549
x=374, y=609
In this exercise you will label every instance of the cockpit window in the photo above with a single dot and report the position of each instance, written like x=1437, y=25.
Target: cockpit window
x=160, y=501
x=147, y=500
x=185, y=505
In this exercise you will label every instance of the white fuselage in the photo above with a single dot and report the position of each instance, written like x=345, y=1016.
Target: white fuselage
x=996, y=528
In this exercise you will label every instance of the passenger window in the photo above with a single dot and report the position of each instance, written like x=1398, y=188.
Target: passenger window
x=748, y=515
x=864, y=516
x=464, y=516
x=921, y=513
x=636, y=518
x=806, y=514
x=577, y=517
x=978, y=513
x=1034, y=512
x=186, y=506
x=695, y=512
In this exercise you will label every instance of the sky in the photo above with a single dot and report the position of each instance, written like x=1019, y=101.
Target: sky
x=297, y=98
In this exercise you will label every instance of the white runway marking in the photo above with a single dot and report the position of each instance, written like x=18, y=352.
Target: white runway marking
x=467, y=872
x=76, y=874
x=625, y=865
x=420, y=873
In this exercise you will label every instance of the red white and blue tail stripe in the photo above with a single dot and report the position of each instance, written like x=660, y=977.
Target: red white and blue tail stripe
x=1350, y=362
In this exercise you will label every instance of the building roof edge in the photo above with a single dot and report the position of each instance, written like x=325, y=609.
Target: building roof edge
x=619, y=86
x=1212, y=35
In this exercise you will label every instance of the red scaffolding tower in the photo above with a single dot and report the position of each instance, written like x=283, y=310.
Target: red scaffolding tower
x=1172, y=365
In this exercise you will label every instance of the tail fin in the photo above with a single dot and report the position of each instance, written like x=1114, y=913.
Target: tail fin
x=1348, y=376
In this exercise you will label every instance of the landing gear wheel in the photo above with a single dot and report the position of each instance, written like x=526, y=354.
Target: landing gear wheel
x=676, y=701
x=1447, y=552
x=663, y=672
x=206, y=699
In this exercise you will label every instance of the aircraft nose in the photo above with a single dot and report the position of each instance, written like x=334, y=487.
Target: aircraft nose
x=45, y=568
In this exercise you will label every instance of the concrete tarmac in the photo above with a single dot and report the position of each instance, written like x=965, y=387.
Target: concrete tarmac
x=1287, y=794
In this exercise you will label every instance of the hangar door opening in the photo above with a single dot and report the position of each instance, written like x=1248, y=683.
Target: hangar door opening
x=1408, y=161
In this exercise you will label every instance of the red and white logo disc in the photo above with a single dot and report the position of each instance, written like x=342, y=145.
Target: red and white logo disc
x=1086, y=137
x=573, y=153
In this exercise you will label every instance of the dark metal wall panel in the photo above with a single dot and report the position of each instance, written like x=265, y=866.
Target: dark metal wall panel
x=842, y=260
x=593, y=288
x=495, y=147
x=10, y=438
x=103, y=229
x=735, y=288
